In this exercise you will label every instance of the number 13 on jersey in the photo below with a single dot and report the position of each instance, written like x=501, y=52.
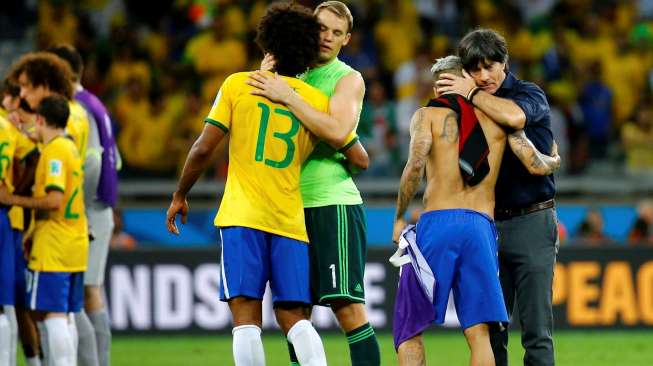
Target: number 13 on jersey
x=286, y=137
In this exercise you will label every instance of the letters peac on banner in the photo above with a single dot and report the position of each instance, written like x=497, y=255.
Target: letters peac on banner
x=177, y=291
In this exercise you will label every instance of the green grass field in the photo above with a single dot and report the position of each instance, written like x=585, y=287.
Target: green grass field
x=596, y=348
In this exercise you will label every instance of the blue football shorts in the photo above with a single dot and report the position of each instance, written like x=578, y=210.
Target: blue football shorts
x=460, y=247
x=54, y=292
x=251, y=258
x=7, y=260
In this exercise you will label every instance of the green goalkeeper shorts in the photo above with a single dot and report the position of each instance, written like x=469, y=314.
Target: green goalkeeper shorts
x=337, y=250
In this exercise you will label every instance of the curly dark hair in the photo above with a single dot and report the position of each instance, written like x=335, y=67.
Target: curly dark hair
x=291, y=33
x=47, y=69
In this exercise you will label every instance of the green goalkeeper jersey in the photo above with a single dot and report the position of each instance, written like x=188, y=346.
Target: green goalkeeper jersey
x=325, y=180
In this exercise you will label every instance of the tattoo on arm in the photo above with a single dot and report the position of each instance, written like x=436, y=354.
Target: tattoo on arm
x=536, y=162
x=420, y=146
x=450, y=127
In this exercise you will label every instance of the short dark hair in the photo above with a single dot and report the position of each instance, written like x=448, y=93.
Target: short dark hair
x=291, y=33
x=482, y=46
x=43, y=68
x=55, y=110
x=69, y=54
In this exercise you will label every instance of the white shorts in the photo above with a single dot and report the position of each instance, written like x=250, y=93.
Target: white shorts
x=101, y=225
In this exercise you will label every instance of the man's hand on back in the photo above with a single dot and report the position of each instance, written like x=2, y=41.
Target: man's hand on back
x=270, y=86
x=268, y=62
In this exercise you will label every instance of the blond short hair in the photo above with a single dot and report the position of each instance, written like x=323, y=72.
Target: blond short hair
x=339, y=9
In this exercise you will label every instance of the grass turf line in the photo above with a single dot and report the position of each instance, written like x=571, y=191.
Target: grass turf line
x=603, y=348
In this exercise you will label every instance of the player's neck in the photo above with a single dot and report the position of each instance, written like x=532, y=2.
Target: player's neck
x=322, y=63
x=50, y=134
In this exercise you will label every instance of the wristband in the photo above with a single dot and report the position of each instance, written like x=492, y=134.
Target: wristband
x=472, y=93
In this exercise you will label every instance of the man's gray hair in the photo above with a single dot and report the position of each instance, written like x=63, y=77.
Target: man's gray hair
x=447, y=63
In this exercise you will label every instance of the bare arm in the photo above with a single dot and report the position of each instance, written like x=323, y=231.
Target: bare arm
x=198, y=157
x=420, y=146
x=536, y=162
x=357, y=157
x=344, y=105
x=52, y=201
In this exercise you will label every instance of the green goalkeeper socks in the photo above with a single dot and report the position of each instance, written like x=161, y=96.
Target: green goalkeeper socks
x=363, y=346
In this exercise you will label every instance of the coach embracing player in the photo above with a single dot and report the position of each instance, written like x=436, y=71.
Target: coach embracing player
x=524, y=211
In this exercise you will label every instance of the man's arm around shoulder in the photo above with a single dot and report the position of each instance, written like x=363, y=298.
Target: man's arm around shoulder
x=332, y=127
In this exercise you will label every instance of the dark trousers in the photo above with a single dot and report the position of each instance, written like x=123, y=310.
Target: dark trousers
x=528, y=246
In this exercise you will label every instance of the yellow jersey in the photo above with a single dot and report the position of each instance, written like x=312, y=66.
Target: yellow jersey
x=60, y=240
x=77, y=127
x=267, y=147
x=13, y=146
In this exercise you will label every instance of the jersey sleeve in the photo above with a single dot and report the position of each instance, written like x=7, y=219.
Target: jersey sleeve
x=220, y=114
x=55, y=177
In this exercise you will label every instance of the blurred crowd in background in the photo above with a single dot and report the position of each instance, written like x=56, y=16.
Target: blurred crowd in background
x=158, y=66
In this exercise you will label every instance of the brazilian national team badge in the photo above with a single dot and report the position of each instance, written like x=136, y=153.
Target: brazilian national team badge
x=55, y=167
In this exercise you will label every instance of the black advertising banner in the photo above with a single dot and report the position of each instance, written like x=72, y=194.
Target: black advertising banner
x=176, y=291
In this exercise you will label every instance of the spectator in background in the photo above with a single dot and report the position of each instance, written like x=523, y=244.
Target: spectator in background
x=120, y=239
x=397, y=34
x=556, y=62
x=414, y=87
x=596, y=103
x=214, y=54
x=637, y=139
x=146, y=139
x=378, y=131
x=591, y=229
x=57, y=23
x=642, y=231
x=129, y=64
x=360, y=56
x=559, y=95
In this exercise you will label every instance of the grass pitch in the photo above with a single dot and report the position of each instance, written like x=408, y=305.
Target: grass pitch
x=595, y=348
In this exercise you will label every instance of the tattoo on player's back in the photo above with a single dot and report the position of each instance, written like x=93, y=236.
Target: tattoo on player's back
x=450, y=128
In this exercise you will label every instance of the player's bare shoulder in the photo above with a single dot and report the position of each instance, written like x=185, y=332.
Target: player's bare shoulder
x=492, y=131
x=352, y=82
x=443, y=122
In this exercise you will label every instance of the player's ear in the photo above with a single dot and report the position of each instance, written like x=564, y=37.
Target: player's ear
x=347, y=38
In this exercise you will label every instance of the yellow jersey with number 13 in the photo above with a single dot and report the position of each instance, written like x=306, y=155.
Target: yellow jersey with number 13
x=60, y=241
x=267, y=147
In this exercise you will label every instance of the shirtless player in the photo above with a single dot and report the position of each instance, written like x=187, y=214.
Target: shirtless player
x=456, y=234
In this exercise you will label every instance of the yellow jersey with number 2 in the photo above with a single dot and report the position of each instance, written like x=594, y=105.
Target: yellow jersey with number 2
x=267, y=147
x=60, y=240
x=13, y=146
